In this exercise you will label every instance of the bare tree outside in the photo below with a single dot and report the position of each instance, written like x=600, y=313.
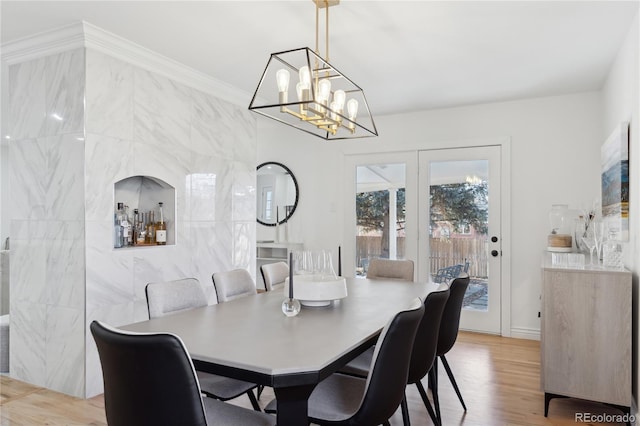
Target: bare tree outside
x=372, y=212
x=461, y=205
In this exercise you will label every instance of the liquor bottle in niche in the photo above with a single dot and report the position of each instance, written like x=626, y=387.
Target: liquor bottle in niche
x=123, y=235
x=134, y=229
x=151, y=229
x=117, y=228
x=161, y=228
x=127, y=227
x=139, y=228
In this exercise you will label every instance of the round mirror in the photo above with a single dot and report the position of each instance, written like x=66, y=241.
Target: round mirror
x=277, y=193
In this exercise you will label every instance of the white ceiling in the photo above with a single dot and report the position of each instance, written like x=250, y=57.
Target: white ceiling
x=406, y=55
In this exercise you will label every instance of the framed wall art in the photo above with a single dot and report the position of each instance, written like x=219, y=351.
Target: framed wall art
x=615, y=182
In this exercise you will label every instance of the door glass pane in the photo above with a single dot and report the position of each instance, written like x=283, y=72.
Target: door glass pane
x=458, y=226
x=380, y=212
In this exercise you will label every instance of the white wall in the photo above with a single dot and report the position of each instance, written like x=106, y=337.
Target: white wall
x=621, y=94
x=555, y=158
x=316, y=164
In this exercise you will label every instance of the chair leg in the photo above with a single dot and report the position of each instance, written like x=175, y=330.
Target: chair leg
x=433, y=379
x=405, y=411
x=254, y=401
x=453, y=380
x=260, y=389
x=427, y=404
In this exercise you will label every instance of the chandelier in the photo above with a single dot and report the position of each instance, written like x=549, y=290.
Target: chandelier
x=323, y=101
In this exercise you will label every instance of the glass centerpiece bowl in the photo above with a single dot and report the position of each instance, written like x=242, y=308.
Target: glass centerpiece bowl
x=317, y=289
x=315, y=280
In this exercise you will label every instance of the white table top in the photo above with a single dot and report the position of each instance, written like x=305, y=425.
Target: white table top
x=253, y=335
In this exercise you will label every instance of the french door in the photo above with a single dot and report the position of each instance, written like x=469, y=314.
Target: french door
x=459, y=196
x=381, y=197
x=440, y=208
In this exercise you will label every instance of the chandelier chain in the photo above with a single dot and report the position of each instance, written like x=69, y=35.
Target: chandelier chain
x=326, y=30
x=326, y=43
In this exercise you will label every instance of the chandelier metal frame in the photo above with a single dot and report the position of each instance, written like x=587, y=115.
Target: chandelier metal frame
x=320, y=97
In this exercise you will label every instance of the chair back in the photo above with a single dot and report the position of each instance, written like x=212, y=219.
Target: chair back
x=168, y=297
x=387, y=377
x=233, y=284
x=149, y=379
x=451, y=315
x=393, y=269
x=274, y=274
x=426, y=343
x=448, y=273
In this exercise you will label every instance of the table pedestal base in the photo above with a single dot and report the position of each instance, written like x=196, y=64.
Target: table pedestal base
x=293, y=403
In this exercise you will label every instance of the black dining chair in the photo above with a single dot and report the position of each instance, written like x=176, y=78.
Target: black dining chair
x=347, y=400
x=149, y=380
x=422, y=356
x=169, y=297
x=447, y=337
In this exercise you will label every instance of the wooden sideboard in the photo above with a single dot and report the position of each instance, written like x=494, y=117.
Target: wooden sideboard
x=586, y=334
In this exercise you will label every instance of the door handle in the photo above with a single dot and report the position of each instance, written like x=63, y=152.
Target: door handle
x=494, y=253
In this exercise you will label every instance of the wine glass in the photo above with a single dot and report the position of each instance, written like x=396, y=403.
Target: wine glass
x=580, y=231
x=598, y=233
x=589, y=240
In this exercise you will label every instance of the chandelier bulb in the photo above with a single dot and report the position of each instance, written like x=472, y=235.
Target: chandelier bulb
x=305, y=76
x=324, y=91
x=352, y=109
x=339, y=97
x=282, y=79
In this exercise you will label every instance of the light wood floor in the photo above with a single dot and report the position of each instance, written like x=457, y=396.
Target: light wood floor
x=499, y=379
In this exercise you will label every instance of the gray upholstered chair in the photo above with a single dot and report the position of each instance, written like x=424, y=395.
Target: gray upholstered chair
x=169, y=297
x=233, y=284
x=274, y=274
x=347, y=400
x=149, y=380
x=390, y=269
x=423, y=354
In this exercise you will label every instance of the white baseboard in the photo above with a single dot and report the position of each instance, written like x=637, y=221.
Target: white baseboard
x=525, y=333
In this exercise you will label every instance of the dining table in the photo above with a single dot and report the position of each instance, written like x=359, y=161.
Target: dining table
x=251, y=339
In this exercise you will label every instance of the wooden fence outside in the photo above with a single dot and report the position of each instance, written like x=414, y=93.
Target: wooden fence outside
x=443, y=252
x=371, y=248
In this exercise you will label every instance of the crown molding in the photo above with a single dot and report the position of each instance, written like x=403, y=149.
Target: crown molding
x=84, y=34
x=43, y=44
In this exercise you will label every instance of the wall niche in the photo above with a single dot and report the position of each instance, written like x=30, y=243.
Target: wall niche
x=144, y=193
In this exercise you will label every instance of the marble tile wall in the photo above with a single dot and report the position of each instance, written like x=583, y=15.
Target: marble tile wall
x=118, y=121
x=46, y=150
x=141, y=123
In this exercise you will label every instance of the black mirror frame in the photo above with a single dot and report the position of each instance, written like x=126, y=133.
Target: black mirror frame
x=295, y=183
